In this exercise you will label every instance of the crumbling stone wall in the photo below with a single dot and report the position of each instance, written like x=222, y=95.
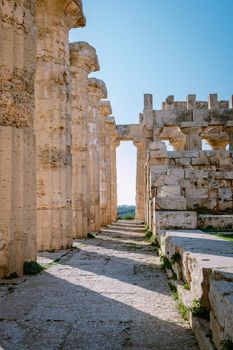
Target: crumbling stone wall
x=189, y=178
x=17, y=136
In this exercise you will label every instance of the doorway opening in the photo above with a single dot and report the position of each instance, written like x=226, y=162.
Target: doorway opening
x=126, y=180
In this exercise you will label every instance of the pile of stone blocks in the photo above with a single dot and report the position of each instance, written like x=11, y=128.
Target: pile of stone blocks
x=206, y=266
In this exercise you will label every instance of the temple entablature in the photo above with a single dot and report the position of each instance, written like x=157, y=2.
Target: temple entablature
x=130, y=132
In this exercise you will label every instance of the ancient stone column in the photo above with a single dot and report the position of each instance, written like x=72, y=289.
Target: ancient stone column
x=105, y=110
x=54, y=18
x=216, y=137
x=112, y=143
x=140, y=180
x=114, y=146
x=96, y=91
x=17, y=136
x=193, y=138
x=83, y=60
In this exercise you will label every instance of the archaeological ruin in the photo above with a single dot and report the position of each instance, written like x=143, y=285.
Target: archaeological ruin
x=58, y=176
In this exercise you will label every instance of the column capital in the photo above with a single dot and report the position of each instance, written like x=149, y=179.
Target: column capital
x=97, y=87
x=83, y=55
x=74, y=17
x=105, y=108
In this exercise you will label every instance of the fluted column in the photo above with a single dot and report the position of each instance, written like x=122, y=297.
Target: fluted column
x=112, y=143
x=96, y=91
x=83, y=60
x=17, y=137
x=105, y=110
x=54, y=19
x=193, y=138
x=114, y=146
x=140, y=180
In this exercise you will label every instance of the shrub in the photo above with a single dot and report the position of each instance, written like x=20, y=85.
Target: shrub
x=227, y=344
x=198, y=310
x=186, y=286
x=165, y=262
x=32, y=268
x=176, y=258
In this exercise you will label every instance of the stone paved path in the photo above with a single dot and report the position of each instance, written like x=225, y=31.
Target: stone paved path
x=108, y=293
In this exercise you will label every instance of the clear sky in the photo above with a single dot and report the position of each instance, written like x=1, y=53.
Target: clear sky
x=163, y=47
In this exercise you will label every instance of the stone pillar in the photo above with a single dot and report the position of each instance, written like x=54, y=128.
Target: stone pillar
x=105, y=111
x=83, y=60
x=112, y=143
x=96, y=91
x=114, y=146
x=193, y=138
x=140, y=180
x=216, y=138
x=54, y=18
x=17, y=137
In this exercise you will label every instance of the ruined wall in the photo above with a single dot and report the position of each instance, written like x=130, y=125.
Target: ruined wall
x=189, y=178
x=54, y=18
x=17, y=137
x=196, y=180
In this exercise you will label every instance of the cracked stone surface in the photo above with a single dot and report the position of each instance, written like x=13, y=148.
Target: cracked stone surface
x=107, y=293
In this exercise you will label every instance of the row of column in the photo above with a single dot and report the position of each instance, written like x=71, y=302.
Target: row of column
x=57, y=152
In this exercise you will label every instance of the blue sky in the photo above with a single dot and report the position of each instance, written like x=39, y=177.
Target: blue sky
x=163, y=47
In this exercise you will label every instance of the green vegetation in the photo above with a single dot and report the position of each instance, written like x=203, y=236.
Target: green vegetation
x=127, y=217
x=176, y=258
x=186, y=286
x=32, y=268
x=150, y=238
x=227, y=344
x=174, y=276
x=125, y=212
x=182, y=309
x=165, y=263
x=226, y=236
x=198, y=310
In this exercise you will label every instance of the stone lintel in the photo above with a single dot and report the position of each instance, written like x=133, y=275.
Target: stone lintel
x=130, y=132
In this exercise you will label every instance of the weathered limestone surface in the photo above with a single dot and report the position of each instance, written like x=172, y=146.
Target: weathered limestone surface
x=17, y=136
x=221, y=302
x=83, y=60
x=215, y=221
x=110, y=293
x=112, y=143
x=54, y=18
x=105, y=110
x=96, y=91
x=206, y=265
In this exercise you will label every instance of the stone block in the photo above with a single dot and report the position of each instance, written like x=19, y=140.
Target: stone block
x=179, y=203
x=215, y=221
x=176, y=220
x=169, y=191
